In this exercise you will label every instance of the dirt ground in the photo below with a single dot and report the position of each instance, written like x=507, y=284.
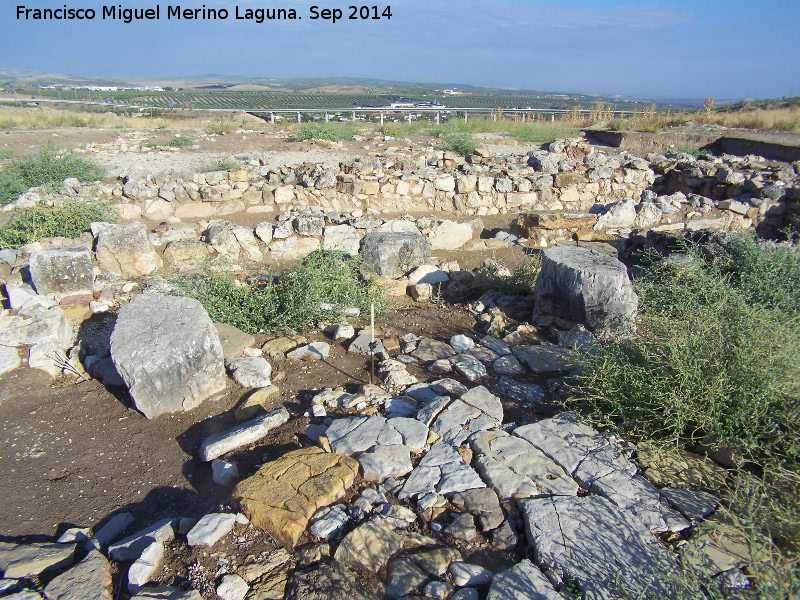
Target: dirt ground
x=74, y=454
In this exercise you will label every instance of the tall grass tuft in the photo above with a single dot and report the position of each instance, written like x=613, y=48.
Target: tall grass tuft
x=68, y=220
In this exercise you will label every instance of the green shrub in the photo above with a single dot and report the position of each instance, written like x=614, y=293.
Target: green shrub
x=219, y=163
x=220, y=127
x=45, y=167
x=69, y=220
x=180, y=141
x=460, y=143
x=289, y=302
x=520, y=283
x=541, y=133
x=333, y=132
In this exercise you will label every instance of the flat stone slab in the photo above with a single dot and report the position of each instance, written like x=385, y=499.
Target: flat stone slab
x=89, y=579
x=141, y=572
x=31, y=560
x=241, y=435
x=429, y=350
x=469, y=367
x=599, y=467
x=441, y=471
x=210, y=529
x=283, y=494
x=527, y=393
x=233, y=340
x=515, y=468
x=369, y=546
x=382, y=462
x=545, y=358
x=522, y=581
x=695, y=506
x=131, y=547
x=488, y=403
x=166, y=592
x=250, y=372
x=599, y=544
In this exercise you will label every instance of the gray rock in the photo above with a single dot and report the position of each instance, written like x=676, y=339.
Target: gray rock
x=313, y=351
x=451, y=423
x=74, y=534
x=545, y=358
x=326, y=581
x=449, y=235
x=462, y=528
x=168, y=352
x=527, y=393
x=497, y=346
x=126, y=250
x=695, y=506
x=462, y=343
x=18, y=561
x=142, y=570
x=264, y=232
x=404, y=578
x=382, y=462
x=224, y=473
x=586, y=286
x=413, y=432
x=241, y=435
x=427, y=274
x=431, y=409
x=577, y=338
x=24, y=595
x=8, y=585
x=309, y=225
x=618, y=216
x=233, y=340
x=61, y=270
x=435, y=562
x=109, y=532
x=438, y=589
x=481, y=503
x=523, y=580
x=45, y=356
x=466, y=574
x=341, y=238
x=599, y=544
x=328, y=521
x=211, y=529
x=488, y=403
x=131, y=547
x=429, y=349
x=508, y=365
x=393, y=254
x=467, y=593
x=505, y=537
x=449, y=386
x=9, y=359
x=232, y=587
x=250, y=372
x=543, y=163
x=340, y=331
x=469, y=367
x=361, y=346
x=50, y=325
x=440, y=471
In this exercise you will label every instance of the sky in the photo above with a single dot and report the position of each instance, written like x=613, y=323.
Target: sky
x=728, y=49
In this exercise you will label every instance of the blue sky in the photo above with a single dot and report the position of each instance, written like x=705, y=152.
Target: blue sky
x=725, y=49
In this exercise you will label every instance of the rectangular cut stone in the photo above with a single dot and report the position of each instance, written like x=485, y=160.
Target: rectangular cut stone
x=242, y=435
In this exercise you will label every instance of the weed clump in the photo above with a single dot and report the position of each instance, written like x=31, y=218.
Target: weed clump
x=325, y=131
x=289, y=302
x=68, y=220
x=219, y=163
x=180, y=141
x=45, y=167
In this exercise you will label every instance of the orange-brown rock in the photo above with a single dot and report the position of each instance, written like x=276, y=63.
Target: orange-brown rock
x=283, y=494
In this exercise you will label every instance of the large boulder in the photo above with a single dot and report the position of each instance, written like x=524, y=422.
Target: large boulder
x=586, y=286
x=61, y=270
x=168, y=352
x=125, y=249
x=389, y=254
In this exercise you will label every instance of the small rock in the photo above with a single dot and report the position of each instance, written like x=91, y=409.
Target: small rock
x=224, y=472
x=462, y=528
x=438, y=589
x=141, y=572
x=211, y=529
x=232, y=587
x=462, y=343
x=246, y=433
x=315, y=351
x=466, y=574
x=250, y=372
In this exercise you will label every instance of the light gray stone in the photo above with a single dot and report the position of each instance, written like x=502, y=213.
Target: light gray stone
x=341, y=238
x=693, y=505
x=50, y=325
x=429, y=349
x=414, y=432
x=340, y=331
x=131, y=547
x=168, y=352
x=586, y=286
x=427, y=274
x=449, y=235
x=264, y=231
x=241, y=435
x=545, y=358
x=46, y=357
x=469, y=367
x=618, y=216
x=466, y=574
x=233, y=340
x=599, y=544
x=451, y=423
x=328, y=521
x=142, y=570
x=404, y=578
x=488, y=403
x=508, y=365
x=18, y=561
x=61, y=270
x=210, y=529
x=522, y=581
x=224, y=473
x=462, y=528
x=382, y=462
x=250, y=372
x=313, y=351
x=9, y=359
x=391, y=254
x=431, y=409
x=232, y=587
x=361, y=345
x=440, y=590
x=467, y=593
x=482, y=503
x=166, y=592
x=578, y=338
x=358, y=434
